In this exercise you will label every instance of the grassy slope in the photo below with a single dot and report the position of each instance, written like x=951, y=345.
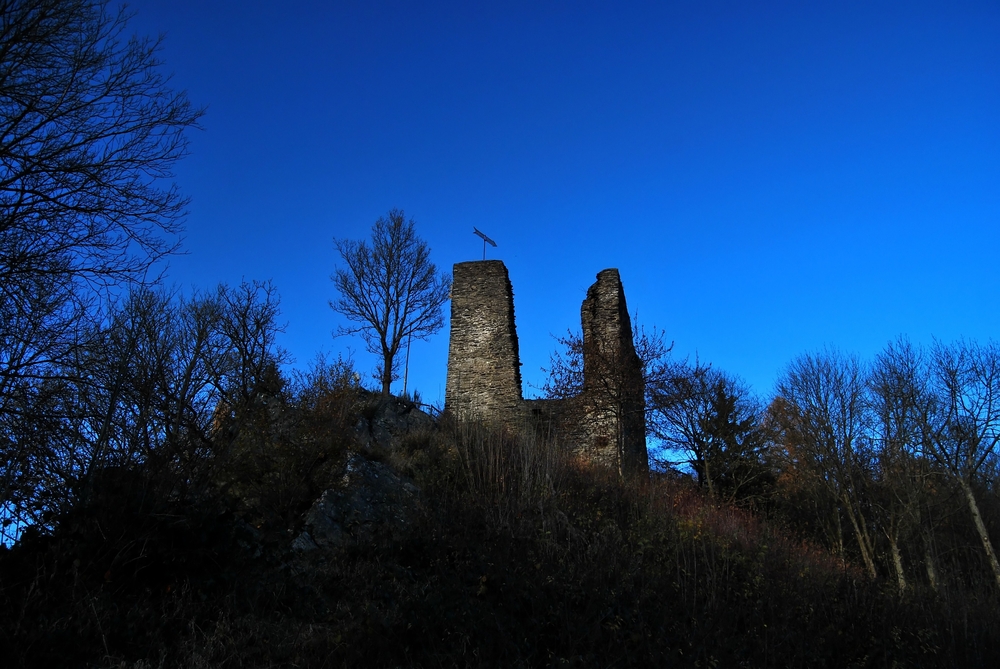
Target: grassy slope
x=518, y=558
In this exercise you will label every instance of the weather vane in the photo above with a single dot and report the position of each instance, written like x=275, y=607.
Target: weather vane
x=485, y=240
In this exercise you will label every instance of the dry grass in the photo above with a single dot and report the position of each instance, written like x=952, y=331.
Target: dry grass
x=519, y=557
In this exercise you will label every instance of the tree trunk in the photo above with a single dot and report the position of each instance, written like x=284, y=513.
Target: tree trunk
x=981, y=528
x=386, y=373
x=932, y=575
x=708, y=480
x=838, y=526
x=861, y=535
x=897, y=562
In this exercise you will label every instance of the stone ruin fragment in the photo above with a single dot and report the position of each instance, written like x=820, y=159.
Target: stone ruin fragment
x=604, y=424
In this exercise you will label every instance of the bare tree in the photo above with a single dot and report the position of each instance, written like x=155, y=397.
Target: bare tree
x=613, y=391
x=141, y=393
x=565, y=371
x=89, y=130
x=962, y=421
x=714, y=420
x=897, y=396
x=89, y=133
x=390, y=290
x=825, y=413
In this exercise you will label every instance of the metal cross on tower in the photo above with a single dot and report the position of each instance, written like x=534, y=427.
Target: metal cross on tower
x=486, y=240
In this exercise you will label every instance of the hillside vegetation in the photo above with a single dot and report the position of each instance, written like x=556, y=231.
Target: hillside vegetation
x=509, y=554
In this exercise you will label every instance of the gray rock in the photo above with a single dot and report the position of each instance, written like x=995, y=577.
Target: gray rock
x=392, y=419
x=362, y=433
x=417, y=420
x=371, y=503
x=304, y=543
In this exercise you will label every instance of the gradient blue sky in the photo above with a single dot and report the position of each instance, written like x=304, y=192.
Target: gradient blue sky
x=769, y=177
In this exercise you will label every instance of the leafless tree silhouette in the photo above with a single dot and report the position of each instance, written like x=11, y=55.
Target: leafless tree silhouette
x=390, y=290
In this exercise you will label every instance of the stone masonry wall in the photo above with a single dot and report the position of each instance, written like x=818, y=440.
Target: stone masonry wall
x=604, y=424
x=484, y=367
x=613, y=399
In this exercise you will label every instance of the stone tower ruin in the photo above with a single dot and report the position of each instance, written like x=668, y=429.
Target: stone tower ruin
x=604, y=424
x=484, y=367
x=610, y=414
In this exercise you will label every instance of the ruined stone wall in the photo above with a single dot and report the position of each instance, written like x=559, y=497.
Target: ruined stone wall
x=484, y=367
x=613, y=399
x=604, y=424
x=607, y=328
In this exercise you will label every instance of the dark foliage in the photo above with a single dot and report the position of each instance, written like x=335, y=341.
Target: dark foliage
x=516, y=558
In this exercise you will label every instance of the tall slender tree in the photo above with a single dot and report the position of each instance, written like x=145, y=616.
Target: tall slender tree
x=897, y=392
x=962, y=421
x=390, y=290
x=825, y=395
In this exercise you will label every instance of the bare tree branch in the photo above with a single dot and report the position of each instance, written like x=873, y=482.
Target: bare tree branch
x=389, y=289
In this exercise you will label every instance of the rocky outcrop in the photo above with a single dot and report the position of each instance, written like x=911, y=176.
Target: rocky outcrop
x=371, y=503
x=387, y=419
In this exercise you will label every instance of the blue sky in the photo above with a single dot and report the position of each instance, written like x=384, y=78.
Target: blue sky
x=769, y=177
